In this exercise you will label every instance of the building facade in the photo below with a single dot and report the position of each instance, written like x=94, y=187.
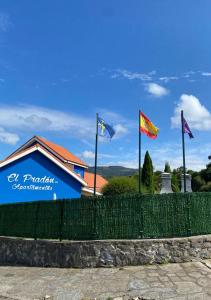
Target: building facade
x=42, y=170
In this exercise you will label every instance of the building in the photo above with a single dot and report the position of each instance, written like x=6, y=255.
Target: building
x=42, y=170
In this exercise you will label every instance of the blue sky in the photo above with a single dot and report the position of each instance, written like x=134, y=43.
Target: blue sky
x=63, y=61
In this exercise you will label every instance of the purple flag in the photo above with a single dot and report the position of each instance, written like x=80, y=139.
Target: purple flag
x=186, y=129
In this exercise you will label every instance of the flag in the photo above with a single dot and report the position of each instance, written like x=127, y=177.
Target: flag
x=186, y=129
x=148, y=127
x=105, y=129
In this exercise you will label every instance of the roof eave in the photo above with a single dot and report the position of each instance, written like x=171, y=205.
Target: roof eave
x=37, y=139
x=45, y=153
x=91, y=191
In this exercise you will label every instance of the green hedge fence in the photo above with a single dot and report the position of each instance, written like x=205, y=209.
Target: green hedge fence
x=124, y=217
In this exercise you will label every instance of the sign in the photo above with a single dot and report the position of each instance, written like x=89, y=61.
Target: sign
x=30, y=182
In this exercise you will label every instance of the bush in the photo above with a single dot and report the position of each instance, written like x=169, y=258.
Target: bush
x=206, y=187
x=120, y=185
x=157, y=181
x=197, y=183
x=175, y=182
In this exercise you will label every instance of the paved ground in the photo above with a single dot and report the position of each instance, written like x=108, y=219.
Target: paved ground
x=188, y=281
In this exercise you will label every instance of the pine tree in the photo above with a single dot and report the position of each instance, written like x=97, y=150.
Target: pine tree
x=167, y=168
x=147, y=173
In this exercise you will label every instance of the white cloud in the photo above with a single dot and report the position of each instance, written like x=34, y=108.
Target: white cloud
x=35, y=118
x=206, y=74
x=88, y=154
x=114, y=117
x=191, y=72
x=114, y=76
x=156, y=90
x=120, y=130
x=5, y=22
x=133, y=164
x=7, y=137
x=23, y=118
x=196, y=157
x=133, y=75
x=196, y=114
x=120, y=124
x=152, y=72
x=166, y=79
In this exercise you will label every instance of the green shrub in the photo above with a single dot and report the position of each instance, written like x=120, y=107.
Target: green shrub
x=120, y=185
x=175, y=182
x=206, y=187
x=197, y=183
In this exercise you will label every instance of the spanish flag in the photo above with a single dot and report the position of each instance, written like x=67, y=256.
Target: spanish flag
x=147, y=127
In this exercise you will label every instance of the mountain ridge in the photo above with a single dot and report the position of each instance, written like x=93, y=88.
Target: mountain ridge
x=112, y=171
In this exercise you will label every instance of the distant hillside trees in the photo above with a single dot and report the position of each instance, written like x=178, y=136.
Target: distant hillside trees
x=151, y=181
x=201, y=181
x=123, y=185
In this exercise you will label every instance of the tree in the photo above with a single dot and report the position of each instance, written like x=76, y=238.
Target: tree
x=120, y=185
x=208, y=171
x=197, y=182
x=175, y=184
x=206, y=187
x=203, y=174
x=147, y=173
x=157, y=181
x=167, y=168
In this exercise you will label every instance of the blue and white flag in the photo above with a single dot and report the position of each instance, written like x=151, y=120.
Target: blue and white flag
x=105, y=129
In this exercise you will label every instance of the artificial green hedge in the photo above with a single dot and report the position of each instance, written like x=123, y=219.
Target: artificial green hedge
x=122, y=217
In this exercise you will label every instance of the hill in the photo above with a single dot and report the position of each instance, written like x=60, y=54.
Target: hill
x=111, y=171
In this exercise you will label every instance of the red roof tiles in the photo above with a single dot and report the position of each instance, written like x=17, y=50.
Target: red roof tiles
x=100, y=181
x=64, y=153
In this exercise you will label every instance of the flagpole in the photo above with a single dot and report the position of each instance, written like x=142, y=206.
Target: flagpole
x=139, y=142
x=96, y=144
x=183, y=150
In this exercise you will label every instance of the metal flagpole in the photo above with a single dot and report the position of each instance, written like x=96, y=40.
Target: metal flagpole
x=183, y=150
x=96, y=144
x=139, y=140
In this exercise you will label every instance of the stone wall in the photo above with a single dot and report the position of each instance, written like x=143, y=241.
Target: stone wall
x=86, y=254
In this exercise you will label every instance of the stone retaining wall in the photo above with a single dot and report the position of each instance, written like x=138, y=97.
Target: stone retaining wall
x=86, y=254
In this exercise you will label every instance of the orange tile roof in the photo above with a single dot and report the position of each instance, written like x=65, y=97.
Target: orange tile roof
x=64, y=153
x=19, y=152
x=66, y=165
x=100, y=181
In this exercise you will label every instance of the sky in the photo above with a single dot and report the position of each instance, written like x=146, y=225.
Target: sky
x=63, y=61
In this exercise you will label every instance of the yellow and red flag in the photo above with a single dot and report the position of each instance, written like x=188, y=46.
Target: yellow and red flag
x=147, y=127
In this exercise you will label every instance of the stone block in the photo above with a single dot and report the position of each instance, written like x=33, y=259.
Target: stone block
x=188, y=183
x=166, y=183
x=107, y=253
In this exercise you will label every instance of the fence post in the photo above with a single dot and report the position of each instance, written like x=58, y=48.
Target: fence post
x=142, y=218
x=95, y=234
x=36, y=220
x=189, y=214
x=61, y=204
